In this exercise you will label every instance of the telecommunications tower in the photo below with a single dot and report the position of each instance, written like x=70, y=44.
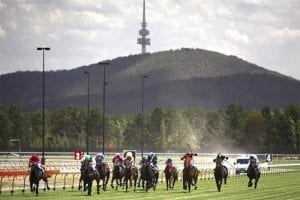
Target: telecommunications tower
x=143, y=41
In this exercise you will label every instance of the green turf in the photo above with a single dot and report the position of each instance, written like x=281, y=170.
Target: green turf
x=281, y=186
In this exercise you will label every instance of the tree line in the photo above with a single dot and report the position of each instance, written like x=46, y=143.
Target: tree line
x=232, y=129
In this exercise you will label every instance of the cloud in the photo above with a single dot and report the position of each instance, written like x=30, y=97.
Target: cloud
x=84, y=32
x=287, y=33
x=238, y=37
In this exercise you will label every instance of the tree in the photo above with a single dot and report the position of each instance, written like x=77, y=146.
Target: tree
x=236, y=116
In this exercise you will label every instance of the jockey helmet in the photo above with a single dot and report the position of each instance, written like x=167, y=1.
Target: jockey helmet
x=129, y=155
x=117, y=155
x=99, y=155
x=88, y=157
x=151, y=154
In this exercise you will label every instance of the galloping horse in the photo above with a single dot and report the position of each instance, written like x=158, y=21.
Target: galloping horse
x=36, y=175
x=88, y=174
x=190, y=174
x=118, y=174
x=131, y=174
x=104, y=173
x=220, y=173
x=171, y=175
x=149, y=175
x=253, y=172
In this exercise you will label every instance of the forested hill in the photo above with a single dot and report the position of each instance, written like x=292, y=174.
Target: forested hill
x=176, y=79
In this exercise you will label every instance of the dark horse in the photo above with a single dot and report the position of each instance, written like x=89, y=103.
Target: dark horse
x=150, y=175
x=104, y=173
x=253, y=172
x=190, y=175
x=88, y=174
x=220, y=173
x=36, y=175
x=118, y=174
x=131, y=174
x=171, y=175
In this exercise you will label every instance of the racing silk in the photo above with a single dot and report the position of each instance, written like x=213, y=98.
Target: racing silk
x=152, y=159
x=117, y=160
x=100, y=159
x=34, y=160
x=189, y=157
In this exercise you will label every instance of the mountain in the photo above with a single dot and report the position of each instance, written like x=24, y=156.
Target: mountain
x=176, y=79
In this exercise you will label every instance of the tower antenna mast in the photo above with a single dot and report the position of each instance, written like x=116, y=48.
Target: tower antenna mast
x=143, y=41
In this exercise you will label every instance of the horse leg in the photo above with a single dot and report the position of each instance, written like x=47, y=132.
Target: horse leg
x=195, y=181
x=250, y=182
x=31, y=185
x=218, y=185
x=184, y=183
x=98, y=186
x=256, y=180
x=112, y=182
x=126, y=186
x=167, y=182
x=80, y=180
x=90, y=184
x=134, y=182
x=37, y=188
x=45, y=179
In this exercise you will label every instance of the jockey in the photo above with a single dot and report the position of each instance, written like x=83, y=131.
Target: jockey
x=99, y=158
x=253, y=160
x=169, y=162
x=35, y=159
x=190, y=155
x=88, y=159
x=118, y=160
x=222, y=158
x=152, y=159
x=129, y=158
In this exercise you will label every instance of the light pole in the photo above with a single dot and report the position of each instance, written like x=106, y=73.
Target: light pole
x=143, y=77
x=43, y=143
x=103, y=105
x=88, y=112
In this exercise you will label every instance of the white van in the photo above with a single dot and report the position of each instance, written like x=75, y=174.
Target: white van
x=242, y=163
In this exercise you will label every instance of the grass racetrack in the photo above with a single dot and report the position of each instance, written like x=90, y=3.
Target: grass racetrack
x=277, y=186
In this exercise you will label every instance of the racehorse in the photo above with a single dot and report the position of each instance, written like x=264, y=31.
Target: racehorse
x=36, y=175
x=253, y=172
x=220, y=173
x=118, y=174
x=171, y=175
x=190, y=175
x=104, y=173
x=150, y=175
x=130, y=174
x=88, y=174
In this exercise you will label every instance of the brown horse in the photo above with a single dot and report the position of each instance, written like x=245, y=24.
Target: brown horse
x=190, y=174
x=36, y=175
x=118, y=174
x=104, y=173
x=171, y=175
x=130, y=174
x=253, y=172
x=88, y=174
x=220, y=173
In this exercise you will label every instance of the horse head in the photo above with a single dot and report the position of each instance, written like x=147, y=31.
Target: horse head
x=127, y=164
x=218, y=162
x=187, y=161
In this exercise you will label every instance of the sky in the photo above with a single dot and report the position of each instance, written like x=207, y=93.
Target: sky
x=82, y=32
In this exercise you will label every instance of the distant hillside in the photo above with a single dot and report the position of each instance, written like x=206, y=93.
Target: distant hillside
x=176, y=79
